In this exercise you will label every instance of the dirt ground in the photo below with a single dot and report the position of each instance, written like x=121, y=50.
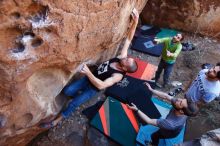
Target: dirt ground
x=76, y=131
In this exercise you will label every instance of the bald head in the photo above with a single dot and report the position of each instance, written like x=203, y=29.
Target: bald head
x=129, y=65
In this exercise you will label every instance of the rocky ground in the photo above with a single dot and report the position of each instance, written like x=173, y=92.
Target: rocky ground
x=76, y=131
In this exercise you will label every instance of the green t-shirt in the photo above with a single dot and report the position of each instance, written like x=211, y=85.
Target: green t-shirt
x=172, y=47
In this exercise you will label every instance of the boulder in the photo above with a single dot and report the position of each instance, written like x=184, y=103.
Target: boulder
x=196, y=16
x=42, y=45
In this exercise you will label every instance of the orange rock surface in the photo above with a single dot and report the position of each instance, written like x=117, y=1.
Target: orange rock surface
x=196, y=16
x=42, y=45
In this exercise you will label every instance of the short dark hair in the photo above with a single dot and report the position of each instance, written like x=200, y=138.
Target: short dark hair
x=191, y=109
x=218, y=73
x=133, y=68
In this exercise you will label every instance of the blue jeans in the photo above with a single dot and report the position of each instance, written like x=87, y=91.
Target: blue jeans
x=167, y=71
x=87, y=92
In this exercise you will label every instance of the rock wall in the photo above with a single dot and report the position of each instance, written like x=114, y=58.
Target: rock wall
x=42, y=44
x=197, y=16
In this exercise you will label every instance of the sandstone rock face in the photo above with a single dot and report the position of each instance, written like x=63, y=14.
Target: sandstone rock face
x=42, y=44
x=197, y=16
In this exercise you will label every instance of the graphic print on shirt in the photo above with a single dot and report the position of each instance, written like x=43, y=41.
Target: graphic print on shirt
x=103, y=68
x=200, y=83
x=123, y=83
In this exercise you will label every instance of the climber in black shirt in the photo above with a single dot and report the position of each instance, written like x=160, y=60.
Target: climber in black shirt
x=107, y=74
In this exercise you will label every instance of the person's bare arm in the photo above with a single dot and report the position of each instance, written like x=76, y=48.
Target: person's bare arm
x=144, y=117
x=99, y=83
x=158, y=41
x=124, y=51
x=160, y=94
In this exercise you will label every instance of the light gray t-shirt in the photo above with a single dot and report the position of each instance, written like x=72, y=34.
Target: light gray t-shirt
x=172, y=121
x=203, y=90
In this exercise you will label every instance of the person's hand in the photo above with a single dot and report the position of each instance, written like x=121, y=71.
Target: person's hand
x=85, y=70
x=148, y=86
x=135, y=15
x=168, y=53
x=132, y=107
x=155, y=41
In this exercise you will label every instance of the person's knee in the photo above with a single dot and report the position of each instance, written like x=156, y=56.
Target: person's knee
x=67, y=91
x=70, y=89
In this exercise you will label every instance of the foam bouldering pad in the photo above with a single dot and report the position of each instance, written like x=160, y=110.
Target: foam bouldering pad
x=145, y=71
x=166, y=33
x=150, y=30
x=145, y=132
x=142, y=99
x=128, y=86
x=117, y=122
x=91, y=111
x=146, y=45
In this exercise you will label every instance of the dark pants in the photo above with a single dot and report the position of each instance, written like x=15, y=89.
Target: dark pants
x=87, y=92
x=167, y=71
x=163, y=134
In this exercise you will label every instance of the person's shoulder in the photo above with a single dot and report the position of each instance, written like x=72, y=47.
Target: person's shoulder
x=203, y=71
x=117, y=77
x=162, y=122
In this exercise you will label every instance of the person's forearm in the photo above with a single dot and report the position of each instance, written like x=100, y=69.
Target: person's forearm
x=95, y=81
x=128, y=40
x=146, y=119
x=161, y=94
x=124, y=51
x=172, y=55
x=177, y=52
x=143, y=116
x=159, y=41
x=132, y=30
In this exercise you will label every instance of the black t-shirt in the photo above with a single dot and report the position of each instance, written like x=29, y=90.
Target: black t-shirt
x=105, y=71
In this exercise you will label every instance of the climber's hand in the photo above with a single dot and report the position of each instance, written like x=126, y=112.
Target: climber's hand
x=135, y=15
x=85, y=70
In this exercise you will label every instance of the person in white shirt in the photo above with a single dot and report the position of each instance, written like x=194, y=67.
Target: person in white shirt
x=206, y=87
